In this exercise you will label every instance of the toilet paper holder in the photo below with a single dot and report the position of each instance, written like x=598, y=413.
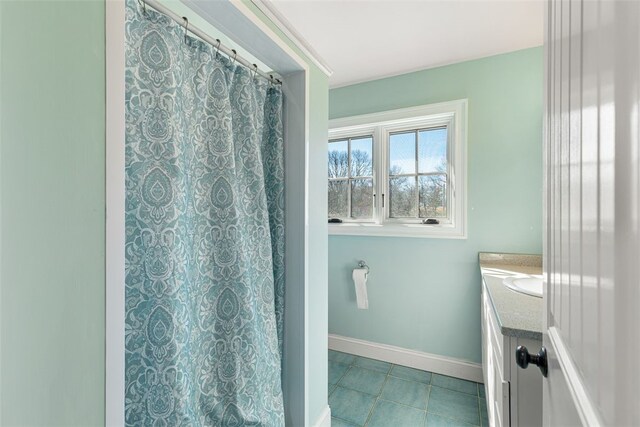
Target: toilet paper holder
x=363, y=264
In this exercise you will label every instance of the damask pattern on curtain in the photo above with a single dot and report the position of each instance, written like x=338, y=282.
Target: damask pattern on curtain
x=204, y=233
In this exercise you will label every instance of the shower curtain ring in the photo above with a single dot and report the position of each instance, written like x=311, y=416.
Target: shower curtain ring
x=186, y=28
x=235, y=55
x=144, y=6
x=254, y=71
x=270, y=80
x=218, y=47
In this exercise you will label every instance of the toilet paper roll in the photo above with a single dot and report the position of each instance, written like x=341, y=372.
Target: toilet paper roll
x=360, y=282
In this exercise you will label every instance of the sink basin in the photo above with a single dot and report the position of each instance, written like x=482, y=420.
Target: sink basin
x=530, y=285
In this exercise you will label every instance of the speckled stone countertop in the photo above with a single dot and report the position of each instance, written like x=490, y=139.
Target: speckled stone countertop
x=519, y=315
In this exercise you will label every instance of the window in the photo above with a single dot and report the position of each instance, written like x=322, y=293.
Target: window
x=399, y=173
x=351, y=178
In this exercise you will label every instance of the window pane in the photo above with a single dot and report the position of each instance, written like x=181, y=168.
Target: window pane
x=361, y=157
x=338, y=159
x=362, y=198
x=338, y=207
x=433, y=196
x=402, y=201
x=432, y=150
x=402, y=153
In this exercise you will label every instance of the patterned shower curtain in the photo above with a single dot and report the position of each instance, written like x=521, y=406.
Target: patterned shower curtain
x=204, y=233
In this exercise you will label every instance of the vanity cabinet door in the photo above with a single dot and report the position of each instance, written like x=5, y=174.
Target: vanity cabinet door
x=502, y=403
x=495, y=368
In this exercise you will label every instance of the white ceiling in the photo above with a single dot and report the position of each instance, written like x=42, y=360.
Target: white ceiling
x=365, y=40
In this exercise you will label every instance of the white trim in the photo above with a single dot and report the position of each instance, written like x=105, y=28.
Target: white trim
x=305, y=380
x=419, y=231
x=325, y=418
x=296, y=38
x=115, y=214
x=453, y=115
x=412, y=358
x=583, y=404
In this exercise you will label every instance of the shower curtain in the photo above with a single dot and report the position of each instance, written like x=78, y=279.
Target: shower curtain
x=204, y=233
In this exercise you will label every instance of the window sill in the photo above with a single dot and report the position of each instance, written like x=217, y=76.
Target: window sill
x=398, y=230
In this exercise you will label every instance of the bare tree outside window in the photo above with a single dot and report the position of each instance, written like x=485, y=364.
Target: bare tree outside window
x=418, y=173
x=350, y=171
x=433, y=195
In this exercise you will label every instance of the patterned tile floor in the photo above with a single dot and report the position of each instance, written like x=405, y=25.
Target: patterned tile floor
x=371, y=393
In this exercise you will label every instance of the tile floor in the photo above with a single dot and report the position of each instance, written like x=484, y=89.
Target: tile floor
x=371, y=393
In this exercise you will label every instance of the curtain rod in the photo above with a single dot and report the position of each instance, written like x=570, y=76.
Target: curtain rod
x=231, y=53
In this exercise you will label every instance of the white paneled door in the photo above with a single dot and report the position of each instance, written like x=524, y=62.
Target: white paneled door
x=592, y=205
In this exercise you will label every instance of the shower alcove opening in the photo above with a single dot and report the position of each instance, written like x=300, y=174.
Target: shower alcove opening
x=241, y=24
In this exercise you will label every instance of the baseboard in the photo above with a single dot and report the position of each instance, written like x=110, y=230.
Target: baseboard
x=325, y=418
x=405, y=357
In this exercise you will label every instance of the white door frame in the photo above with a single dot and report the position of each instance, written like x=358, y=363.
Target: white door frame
x=296, y=119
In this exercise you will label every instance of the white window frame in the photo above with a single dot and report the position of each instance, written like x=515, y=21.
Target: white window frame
x=452, y=114
x=362, y=132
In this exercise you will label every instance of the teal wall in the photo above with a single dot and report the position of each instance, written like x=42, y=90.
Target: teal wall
x=424, y=294
x=52, y=203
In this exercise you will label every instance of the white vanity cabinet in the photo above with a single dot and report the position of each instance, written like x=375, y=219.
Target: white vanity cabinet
x=514, y=395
